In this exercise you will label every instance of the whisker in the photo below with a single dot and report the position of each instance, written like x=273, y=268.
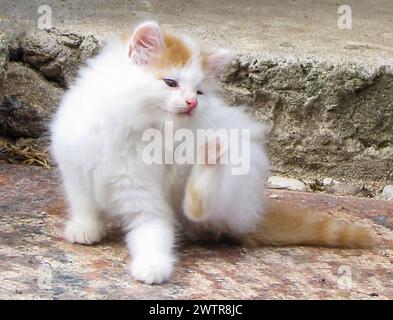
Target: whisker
x=167, y=115
x=208, y=120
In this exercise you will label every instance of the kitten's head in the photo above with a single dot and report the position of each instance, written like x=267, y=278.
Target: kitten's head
x=182, y=71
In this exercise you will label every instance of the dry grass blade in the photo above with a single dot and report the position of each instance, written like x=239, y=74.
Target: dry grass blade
x=28, y=153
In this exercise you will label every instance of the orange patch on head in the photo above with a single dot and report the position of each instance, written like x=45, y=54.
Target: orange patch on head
x=175, y=54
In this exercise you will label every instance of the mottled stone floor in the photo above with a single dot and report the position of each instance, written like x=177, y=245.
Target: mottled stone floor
x=35, y=262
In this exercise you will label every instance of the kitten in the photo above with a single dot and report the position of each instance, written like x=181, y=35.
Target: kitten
x=136, y=83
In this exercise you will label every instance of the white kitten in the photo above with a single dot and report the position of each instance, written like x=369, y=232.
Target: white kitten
x=136, y=83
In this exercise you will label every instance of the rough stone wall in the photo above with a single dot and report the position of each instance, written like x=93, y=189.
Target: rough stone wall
x=41, y=66
x=3, y=57
x=327, y=119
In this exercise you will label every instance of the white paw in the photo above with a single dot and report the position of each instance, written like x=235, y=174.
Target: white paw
x=152, y=269
x=84, y=232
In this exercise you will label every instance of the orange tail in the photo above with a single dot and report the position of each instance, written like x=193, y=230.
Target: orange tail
x=286, y=225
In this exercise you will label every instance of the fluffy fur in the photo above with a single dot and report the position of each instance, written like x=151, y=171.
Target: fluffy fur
x=97, y=143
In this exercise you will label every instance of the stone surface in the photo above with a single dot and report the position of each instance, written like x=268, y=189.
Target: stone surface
x=387, y=192
x=275, y=182
x=3, y=57
x=58, y=54
x=326, y=92
x=36, y=263
x=286, y=27
x=343, y=189
x=345, y=133
x=27, y=102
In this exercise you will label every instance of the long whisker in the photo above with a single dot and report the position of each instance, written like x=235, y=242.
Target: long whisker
x=167, y=115
x=208, y=120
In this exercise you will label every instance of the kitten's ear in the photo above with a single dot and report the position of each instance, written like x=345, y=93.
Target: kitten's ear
x=217, y=61
x=146, y=42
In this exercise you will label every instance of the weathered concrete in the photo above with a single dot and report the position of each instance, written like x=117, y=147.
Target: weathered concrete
x=286, y=27
x=57, y=54
x=36, y=263
x=3, y=57
x=327, y=119
x=326, y=92
x=27, y=102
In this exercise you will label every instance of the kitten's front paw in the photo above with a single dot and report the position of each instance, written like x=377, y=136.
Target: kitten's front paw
x=84, y=232
x=151, y=270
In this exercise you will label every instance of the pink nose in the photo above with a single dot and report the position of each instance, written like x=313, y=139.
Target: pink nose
x=191, y=104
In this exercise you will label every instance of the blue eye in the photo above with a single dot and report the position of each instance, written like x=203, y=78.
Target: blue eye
x=170, y=83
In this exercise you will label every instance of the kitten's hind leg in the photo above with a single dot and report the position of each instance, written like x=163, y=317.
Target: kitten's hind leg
x=201, y=184
x=85, y=225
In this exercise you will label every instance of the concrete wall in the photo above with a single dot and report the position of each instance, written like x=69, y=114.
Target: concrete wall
x=327, y=93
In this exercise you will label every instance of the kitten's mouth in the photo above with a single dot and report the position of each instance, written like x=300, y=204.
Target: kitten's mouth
x=186, y=113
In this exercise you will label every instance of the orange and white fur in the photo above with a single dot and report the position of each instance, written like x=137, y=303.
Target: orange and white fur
x=137, y=82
